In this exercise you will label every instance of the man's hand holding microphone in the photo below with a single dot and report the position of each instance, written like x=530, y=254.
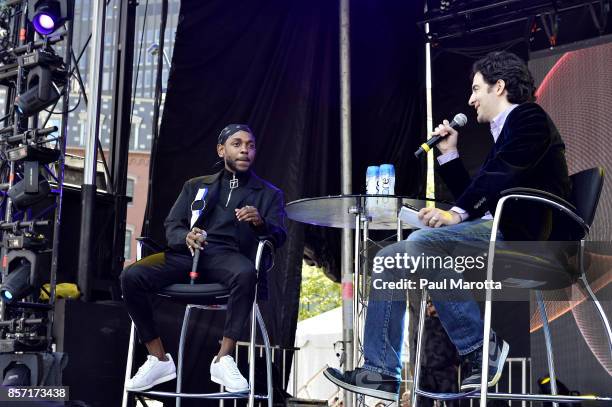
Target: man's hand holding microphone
x=445, y=138
x=196, y=240
x=449, y=137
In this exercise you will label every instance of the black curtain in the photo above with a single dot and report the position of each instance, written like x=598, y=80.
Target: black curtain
x=274, y=64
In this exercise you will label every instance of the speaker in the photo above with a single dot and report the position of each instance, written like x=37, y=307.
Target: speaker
x=95, y=336
x=105, y=286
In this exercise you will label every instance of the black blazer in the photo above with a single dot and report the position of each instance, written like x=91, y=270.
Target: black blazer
x=264, y=196
x=528, y=153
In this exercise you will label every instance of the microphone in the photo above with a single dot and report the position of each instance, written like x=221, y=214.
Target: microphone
x=458, y=121
x=193, y=274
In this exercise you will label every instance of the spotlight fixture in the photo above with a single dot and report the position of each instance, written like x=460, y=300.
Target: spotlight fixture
x=16, y=374
x=49, y=15
x=29, y=192
x=17, y=284
x=24, y=273
x=41, y=92
x=46, y=75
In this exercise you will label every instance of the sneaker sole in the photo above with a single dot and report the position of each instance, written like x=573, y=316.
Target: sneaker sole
x=500, y=368
x=379, y=394
x=155, y=383
x=229, y=389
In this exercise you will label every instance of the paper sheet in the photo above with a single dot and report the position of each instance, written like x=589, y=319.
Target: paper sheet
x=410, y=217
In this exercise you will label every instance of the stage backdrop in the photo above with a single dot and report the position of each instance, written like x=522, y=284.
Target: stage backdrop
x=575, y=88
x=274, y=65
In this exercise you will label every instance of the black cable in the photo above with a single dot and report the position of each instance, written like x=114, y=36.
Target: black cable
x=79, y=78
x=144, y=22
x=156, y=109
x=82, y=93
x=70, y=110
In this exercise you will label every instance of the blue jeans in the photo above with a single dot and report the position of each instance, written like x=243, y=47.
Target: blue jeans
x=460, y=317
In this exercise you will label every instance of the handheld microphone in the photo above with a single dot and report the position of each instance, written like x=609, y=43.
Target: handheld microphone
x=458, y=121
x=193, y=274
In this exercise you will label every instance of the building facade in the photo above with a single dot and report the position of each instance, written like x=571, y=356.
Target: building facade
x=148, y=21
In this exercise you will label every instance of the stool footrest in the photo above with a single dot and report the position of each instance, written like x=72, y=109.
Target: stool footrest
x=475, y=394
x=219, y=395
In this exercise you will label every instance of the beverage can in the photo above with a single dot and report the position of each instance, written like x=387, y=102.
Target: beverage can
x=386, y=184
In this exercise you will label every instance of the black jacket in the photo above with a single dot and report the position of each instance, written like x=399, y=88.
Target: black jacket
x=264, y=196
x=528, y=153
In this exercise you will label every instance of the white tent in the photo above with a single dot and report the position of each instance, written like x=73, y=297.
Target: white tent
x=316, y=337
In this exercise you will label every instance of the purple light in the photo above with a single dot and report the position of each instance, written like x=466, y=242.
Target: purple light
x=44, y=23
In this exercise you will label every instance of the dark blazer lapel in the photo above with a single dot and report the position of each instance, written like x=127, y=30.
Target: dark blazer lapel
x=212, y=183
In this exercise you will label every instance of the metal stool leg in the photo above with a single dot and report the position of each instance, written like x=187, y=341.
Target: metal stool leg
x=486, y=335
x=486, y=331
x=252, y=350
x=181, y=350
x=590, y=293
x=548, y=341
x=417, y=355
x=129, y=364
x=266, y=339
x=600, y=311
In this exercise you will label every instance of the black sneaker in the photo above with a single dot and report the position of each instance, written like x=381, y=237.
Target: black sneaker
x=498, y=352
x=378, y=385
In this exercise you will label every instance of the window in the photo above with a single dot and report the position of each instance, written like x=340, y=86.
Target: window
x=127, y=251
x=129, y=190
x=135, y=134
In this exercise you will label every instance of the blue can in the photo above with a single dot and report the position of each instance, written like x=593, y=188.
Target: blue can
x=372, y=174
x=386, y=183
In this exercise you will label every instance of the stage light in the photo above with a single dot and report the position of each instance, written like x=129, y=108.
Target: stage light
x=49, y=15
x=17, y=284
x=29, y=191
x=16, y=374
x=41, y=92
x=45, y=23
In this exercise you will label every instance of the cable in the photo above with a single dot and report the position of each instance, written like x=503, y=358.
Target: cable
x=70, y=110
x=144, y=22
x=156, y=108
x=75, y=69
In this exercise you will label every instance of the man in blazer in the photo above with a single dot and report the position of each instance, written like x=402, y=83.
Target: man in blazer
x=224, y=215
x=528, y=152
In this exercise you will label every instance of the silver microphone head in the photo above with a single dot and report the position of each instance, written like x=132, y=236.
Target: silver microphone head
x=460, y=120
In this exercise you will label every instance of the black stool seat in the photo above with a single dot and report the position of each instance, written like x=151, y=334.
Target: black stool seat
x=198, y=294
x=528, y=270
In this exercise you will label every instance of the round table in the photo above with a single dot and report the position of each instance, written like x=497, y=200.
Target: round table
x=362, y=213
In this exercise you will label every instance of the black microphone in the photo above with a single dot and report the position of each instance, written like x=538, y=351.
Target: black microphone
x=458, y=121
x=193, y=274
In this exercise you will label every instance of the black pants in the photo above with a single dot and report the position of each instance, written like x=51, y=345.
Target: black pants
x=154, y=272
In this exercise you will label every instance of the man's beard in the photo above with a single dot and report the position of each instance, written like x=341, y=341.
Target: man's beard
x=231, y=164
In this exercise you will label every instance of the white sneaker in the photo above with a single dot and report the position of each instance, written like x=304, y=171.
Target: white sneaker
x=151, y=373
x=226, y=373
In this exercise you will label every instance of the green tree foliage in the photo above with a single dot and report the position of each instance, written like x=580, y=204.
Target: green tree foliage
x=318, y=293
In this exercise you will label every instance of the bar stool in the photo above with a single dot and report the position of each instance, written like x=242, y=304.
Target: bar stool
x=210, y=297
x=586, y=190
